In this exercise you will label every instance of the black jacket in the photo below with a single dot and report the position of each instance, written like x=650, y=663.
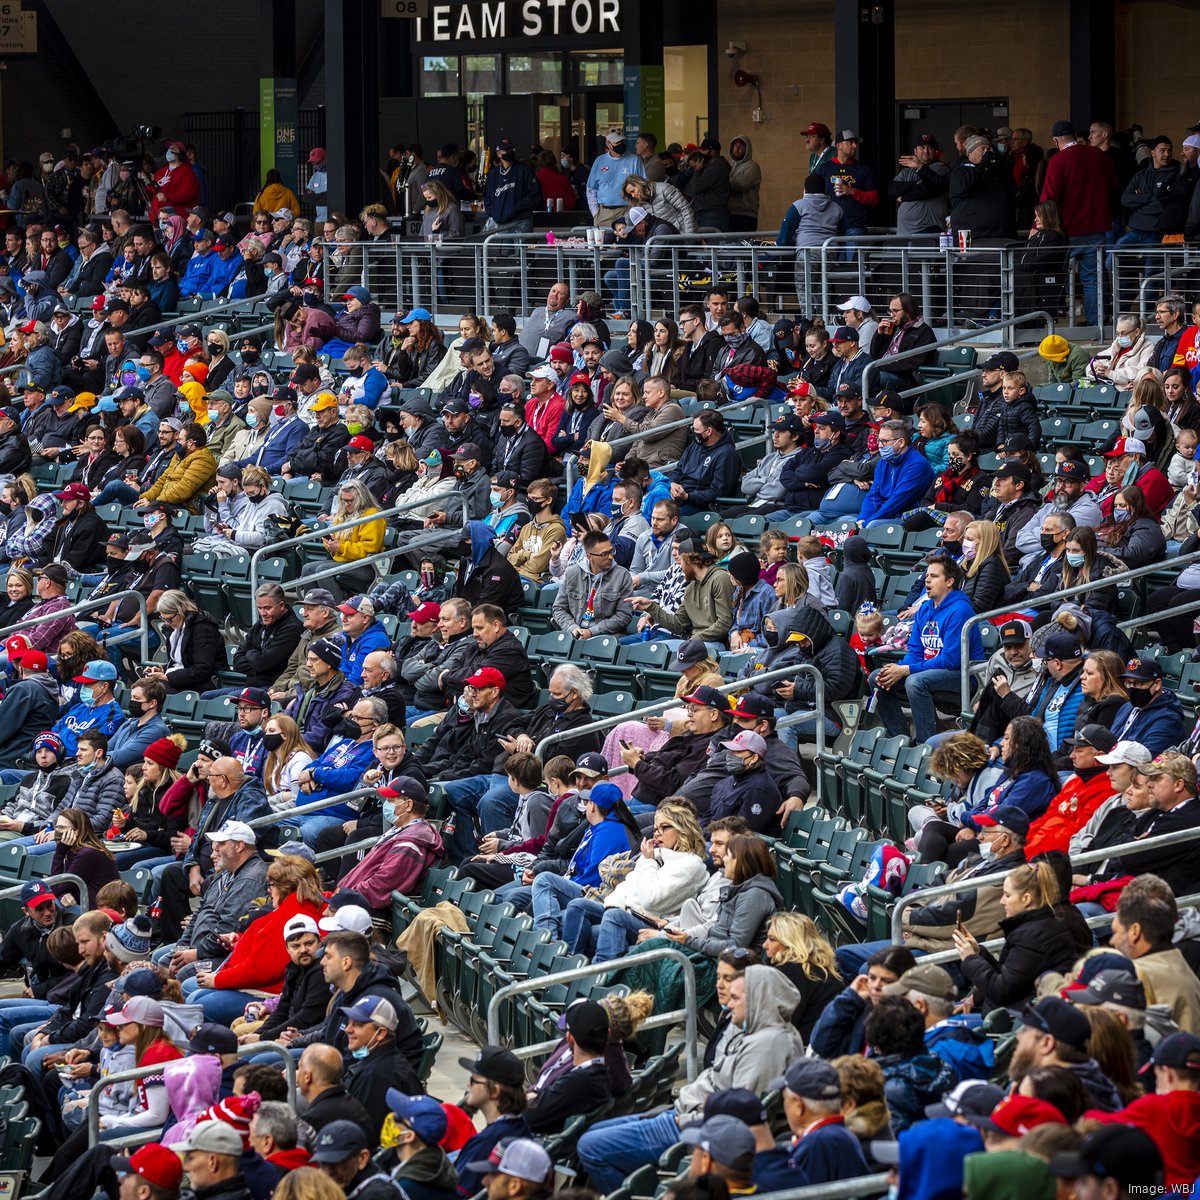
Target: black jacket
x=544, y=721
x=697, y=361
x=1010, y=521
x=80, y=542
x=461, y=747
x=15, y=456
x=981, y=198
x=805, y=476
x=1035, y=941
x=25, y=945
x=663, y=771
x=93, y=273
x=492, y=582
x=80, y=1012
x=317, y=452
x=508, y=656
x=267, y=648
x=1017, y=590
x=334, y=1104
x=524, y=454
x=579, y=1090
x=368, y=1079
x=146, y=816
x=985, y=588
x=913, y=337
x=302, y=1002
x=91, y=471
x=202, y=652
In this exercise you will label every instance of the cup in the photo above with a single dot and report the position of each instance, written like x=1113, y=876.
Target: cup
x=549, y=237
x=549, y=205
x=964, y=239
x=558, y=205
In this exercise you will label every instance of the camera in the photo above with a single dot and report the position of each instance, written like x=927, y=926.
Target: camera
x=147, y=131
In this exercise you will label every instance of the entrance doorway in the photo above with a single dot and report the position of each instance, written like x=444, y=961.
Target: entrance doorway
x=942, y=118
x=603, y=110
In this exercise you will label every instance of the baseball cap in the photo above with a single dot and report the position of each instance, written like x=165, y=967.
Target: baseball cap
x=140, y=1010
x=155, y=1163
x=316, y=154
x=142, y=982
x=337, y=1141
x=1070, y=469
x=212, y=1137
x=345, y=897
x=11, y=413
x=1062, y=645
x=971, y=1096
x=1099, y=737
x=469, y=450
x=592, y=764
x=788, y=422
x=422, y=1114
x=1014, y=633
x=689, y=653
x=30, y=659
x=843, y=333
x=99, y=670
x=1110, y=987
x=283, y=214
x=736, y=1102
x=753, y=704
x=1062, y=1021
x=927, y=978
x=234, y=831
x=1002, y=360
x=404, y=787
x=830, y=417
x=324, y=400
x=430, y=610
x=251, y=695
x=497, y=1064
x=225, y=242
x=376, y=1009
x=211, y=1038
x=416, y=314
x=708, y=697
x=485, y=677
x=605, y=796
x=36, y=893
x=1126, y=445
x=1178, y=766
x=349, y=918
x=1006, y=816
x=1179, y=1050
x=361, y=443
x=855, y=304
x=747, y=740
x=847, y=135
x=927, y=139
x=812, y=1078
x=73, y=491
x=298, y=925
x=1013, y=470
x=1123, y=1153
x=1144, y=670
x=726, y=1139
x=56, y=573
x=34, y=327
x=1132, y=754
x=1016, y=1115
x=587, y=1021
x=522, y=1158
x=1062, y=129
x=544, y=372
x=358, y=604
x=815, y=129
x=635, y=215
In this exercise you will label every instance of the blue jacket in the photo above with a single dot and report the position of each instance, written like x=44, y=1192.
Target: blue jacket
x=126, y=745
x=44, y=366
x=222, y=275
x=277, y=449
x=247, y=804
x=1158, y=726
x=599, y=841
x=970, y=1054
x=82, y=717
x=708, y=472
x=659, y=489
x=898, y=485
x=935, y=642
x=828, y=1153
x=599, y=499
x=1030, y=791
x=199, y=274
x=248, y=750
x=840, y=1028
x=373, y=638
x=512, y=195
x=1059, y=722
x=338, y=770
x=478, y=1148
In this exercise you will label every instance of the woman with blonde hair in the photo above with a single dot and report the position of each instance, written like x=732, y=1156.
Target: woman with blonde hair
x=307, y=1183
x=669, y=871
x=402, y=459
x=287, y=755
x=722, y=543
x=791, y=587
x=796, y=947
x=18, y=596
x=1035, y=941
x=987, y=569
x=259, y=957
x=864, y=1108
x=354, y=499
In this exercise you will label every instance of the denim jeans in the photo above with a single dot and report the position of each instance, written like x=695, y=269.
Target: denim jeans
x=116, y=492
x=33, y=1058
x=617, y=282
x=487, y=797
x=1083, y=252
x=920, y=689
x=804, y=730
x=518, y=894
x=221, y=1005
x=847, y=502
x=551, y=894
x=313, y=824
x=579, y=925
x=612, y=1149
x=617, y=932
x=19, y=1011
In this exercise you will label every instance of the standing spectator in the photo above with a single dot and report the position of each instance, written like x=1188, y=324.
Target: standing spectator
x=646, y=148
x=318, y=181
x=921, y=189
x=745, y=178
x=510, y=193
x=1157, y=197
x=709, y=187
x=608, y=174
x=851, y=183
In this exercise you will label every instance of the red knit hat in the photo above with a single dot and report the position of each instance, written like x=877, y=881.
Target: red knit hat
x=236, y=1111
x=164, y=752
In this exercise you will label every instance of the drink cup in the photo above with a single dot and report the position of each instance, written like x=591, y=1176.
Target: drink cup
x=549, y=205
x=964, y=239
x=558, y=205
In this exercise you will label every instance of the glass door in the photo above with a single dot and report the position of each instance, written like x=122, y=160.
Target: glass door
x=603, y=110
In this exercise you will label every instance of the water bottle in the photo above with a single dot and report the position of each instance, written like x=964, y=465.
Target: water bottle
x=873, y=702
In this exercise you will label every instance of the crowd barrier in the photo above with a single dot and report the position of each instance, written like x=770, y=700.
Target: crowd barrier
x=13, y=892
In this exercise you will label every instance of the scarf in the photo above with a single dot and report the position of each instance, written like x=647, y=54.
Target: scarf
x=949, y=483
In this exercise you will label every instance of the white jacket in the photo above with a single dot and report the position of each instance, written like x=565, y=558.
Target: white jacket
x=428, y=488
x=660, y=890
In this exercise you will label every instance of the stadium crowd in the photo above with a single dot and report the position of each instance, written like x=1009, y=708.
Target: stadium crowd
x=261, y=814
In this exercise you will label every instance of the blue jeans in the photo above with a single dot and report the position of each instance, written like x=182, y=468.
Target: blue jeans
x=1083, y=252
x=142, y=855
x=617, y=932
x=116, y=492
x=487, y=796
x=579, y=925
x=33, y=1058
x=518, y=894
x=551, y=894
x=920, y=689
x=847, y=503
x=313, y=824
x=612, y=1149
x=221, y=1005
x=18, y=1011
x=617, y=282
x=804, y=730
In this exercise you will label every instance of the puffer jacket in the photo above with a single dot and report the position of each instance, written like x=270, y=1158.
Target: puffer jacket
x=1035, y=941
x=185, y=480
x=752, y=1056
x=202, y=654
x=38, y=795
x=660, y=885
x=667, y=203
x=97, y=792
x=362, y=325
x=742, y=918
x=909, y=1084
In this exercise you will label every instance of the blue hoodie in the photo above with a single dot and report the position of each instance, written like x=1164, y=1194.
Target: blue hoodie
x=354, y=650
x=482, y=536
x=931, y=1159
x=607, y=837
x=935, y=643
x=898, y=485
x=659, y=489
x=970, y=1054
x=1158, y=726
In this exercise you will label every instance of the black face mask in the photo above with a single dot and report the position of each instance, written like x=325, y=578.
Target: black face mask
x=5, y=508
x=350, y=728
x=260, y=389
x=952, y=548
x=250, y=357
x=215, y=348
x=114, y=564
x=771, y=637
x=957, y=465
x=1048, y=542
x=136, y=708
x=272, y=741
x=508, y=431
x=1139, y=697
x=256, y=499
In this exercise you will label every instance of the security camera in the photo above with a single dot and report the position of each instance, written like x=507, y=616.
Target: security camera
x=734, y=49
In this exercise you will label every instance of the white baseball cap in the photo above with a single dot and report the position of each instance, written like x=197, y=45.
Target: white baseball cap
x=348, y=919
x=298, y=925
x=855, y=303
x=544, y=372
x=636, y=215
x=234, y=831
x=1132, y=754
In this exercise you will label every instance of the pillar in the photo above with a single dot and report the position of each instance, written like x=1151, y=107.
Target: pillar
x=642, y=40
x=864, y=55
x=352, y=37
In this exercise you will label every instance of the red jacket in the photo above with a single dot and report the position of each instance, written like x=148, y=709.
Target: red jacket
x=1173, y=1121
x=1082, y=181
x=1152, y=483
x=259, y=957
x=1069, y=811
x=556, y=186
x=545, y=419
x=180, y=188
x=396, y=863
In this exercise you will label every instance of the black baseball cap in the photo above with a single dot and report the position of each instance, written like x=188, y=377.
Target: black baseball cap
x=1112, y=986
x=788, y=423
x=1123, y=1153
x=1143, y=670
x=1015, y=632
x=1013, y=470
x=1062, y=1021
x=1070, y=469
x=1002, y=360
x=1099, y=737
x=497, y=1064
x=708, y=697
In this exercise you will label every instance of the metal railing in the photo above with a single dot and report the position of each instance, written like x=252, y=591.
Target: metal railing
x=843, y=1189
x=738, y=685
x=314, y=806
x=323, y=531
x=1049, y=598
x=143, y=630
x=541, y=982
x=924, y=895
x=11, y=893
x=139, y=1136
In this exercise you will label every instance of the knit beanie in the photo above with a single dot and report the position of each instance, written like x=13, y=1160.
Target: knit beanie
x=50, y=741
x=744, y=567
x=164, y=752
x=130, y=941
x=236, y=1111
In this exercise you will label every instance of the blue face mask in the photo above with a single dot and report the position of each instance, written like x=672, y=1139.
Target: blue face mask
x=181, y=346
x=820, y=443
x=143, y=373
x=495, y=497
x=252, y=419
x=87, y=695
x=86, y=767
x=1120, y=514
x=360, y=1053
x=389, y=813
x=888, y=452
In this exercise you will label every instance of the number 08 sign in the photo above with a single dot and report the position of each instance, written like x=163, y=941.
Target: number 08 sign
x=405, y=8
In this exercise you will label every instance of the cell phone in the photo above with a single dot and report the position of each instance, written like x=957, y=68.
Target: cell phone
x=577, y=521
x=624, y=744
x=656, y=922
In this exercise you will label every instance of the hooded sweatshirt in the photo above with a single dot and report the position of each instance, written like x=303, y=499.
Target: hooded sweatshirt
x=1007, y=1175
x=935, y=643
x=1173, y=1121
x=741, y=920
x=745, y=178
x=810, y=221
x=428, y=1175
x=396, y=863
x=29, y=707
x=193, y=1085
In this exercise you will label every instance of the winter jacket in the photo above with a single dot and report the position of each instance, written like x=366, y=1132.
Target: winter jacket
x=79, y=542
x=985, y=589
x=763, y=485
x=697, y=362
x=708, y=191
x=805, y=475
x=1068, y=812
x=427, y=1175
x=752, y=796
x=663, y=771
x=337, y=770
x=202, y=653
x=1172, y=1119
x=185, y=480
x=610, y=608
x=931, y=926
x=742, y=918
x=909, y=1084
x=840, y=1028
x=936, y=640
x=464, y=746
x=1158, y=726
x=396, y=863
x=898, y=485
x=507, y=655
x=302, y=1001
x=659, y=885
x=247, y=804
x=259, y=957
x=667, y=203
x=546, y=720
x=1180, y=872
x=967, y=1051
x=85, y=1000
x=488, y=579
x=29, y=707
x=224, y=901
x=147, y=815
x=1141, y=543
x=1018, y=418
x=809, y=222
x=97, y=792
x=913, y=335
x=1035, y=941
x=354, y=650
x=316, y=452
x=607, y=837
x=319, y=710
x=658, y=449
x=783, y=766
x=706, y=472
x=266, y=649
x=982, y=198
x=1157, y=198
x=362, y=325
x=707, y=609
x=93, y=866
x=1085, y=510
x=24, y=945
x=923, y=195
x=39, y=794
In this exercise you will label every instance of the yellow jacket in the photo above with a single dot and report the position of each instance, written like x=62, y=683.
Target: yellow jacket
x=275, y=196
x=360, y=541
x=186, y=479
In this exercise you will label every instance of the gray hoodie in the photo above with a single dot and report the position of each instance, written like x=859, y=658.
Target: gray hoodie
x=820, y=218
x=753, y=1056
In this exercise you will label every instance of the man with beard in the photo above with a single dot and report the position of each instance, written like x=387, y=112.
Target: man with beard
x=1069, y=496
x=305, y=994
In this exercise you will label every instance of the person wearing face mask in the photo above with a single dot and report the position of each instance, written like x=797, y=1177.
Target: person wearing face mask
x=175, y=184
x=519, y=450
x=421, y=427
x=1010, y=674
x=1068, y=497
x=187, y=476
x=510, y=192
x=1041, y=572
x=1132, y=532
x=223, y=426
x=530, y=554
x=1127, y=465
x=901, y=478
x=1153, y=717
x=79, y=534
x=283, y=427
x=749, y=791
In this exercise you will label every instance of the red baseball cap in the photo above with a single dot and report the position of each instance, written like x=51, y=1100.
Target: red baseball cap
x=358, y=442
x=15, y=644
x=74, y=491
x=580, y=377
x=815, y=127
x=798, y=387
x=486, y=677
x=30, y=659
x=156, y=1164
x=1126, y=445
x=98, y=303
x=429, y=611
x=1016, y=1115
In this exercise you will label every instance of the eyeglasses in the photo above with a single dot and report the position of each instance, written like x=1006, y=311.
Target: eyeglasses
x=662, y=828
x=600, y=553
x=477, y=1081
x=389, y=749
x=217, y=775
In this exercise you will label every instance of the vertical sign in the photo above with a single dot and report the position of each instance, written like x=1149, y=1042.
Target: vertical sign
x=645, y=101
x=279, y=119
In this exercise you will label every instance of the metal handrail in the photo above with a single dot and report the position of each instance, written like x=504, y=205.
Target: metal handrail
x=323, y=531
x=1078, y=589
x=87, y=606
x=738, y=685
x=586, y=972
x=64, y=877
x=300, y=810
x=974, y=885
x=877, y=365
x=143, y=1135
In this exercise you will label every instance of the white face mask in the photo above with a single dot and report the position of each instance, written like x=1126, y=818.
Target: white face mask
x=986, y=852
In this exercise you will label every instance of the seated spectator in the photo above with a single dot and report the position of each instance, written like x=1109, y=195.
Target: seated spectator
x=185, y=478
x=320, y=708
x=902, y=330
x=656, y=449
x=484, y=575
x=1152, y=717
x=314, y=455
x=1127, y=465
x=268, y=645
x=914, y=1077
x=80, y=851
x=901, y=478
x=1068, y=496
x=492, y=644
x=1065, y=363
x=1128, y=356
x=145, y=823
x=594, y=599
x=708, y=468
x=1011, y=504
x=985, y=567
x=706, y=611
x=1131, y=532
x=29, y=707
x=420, y=1126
